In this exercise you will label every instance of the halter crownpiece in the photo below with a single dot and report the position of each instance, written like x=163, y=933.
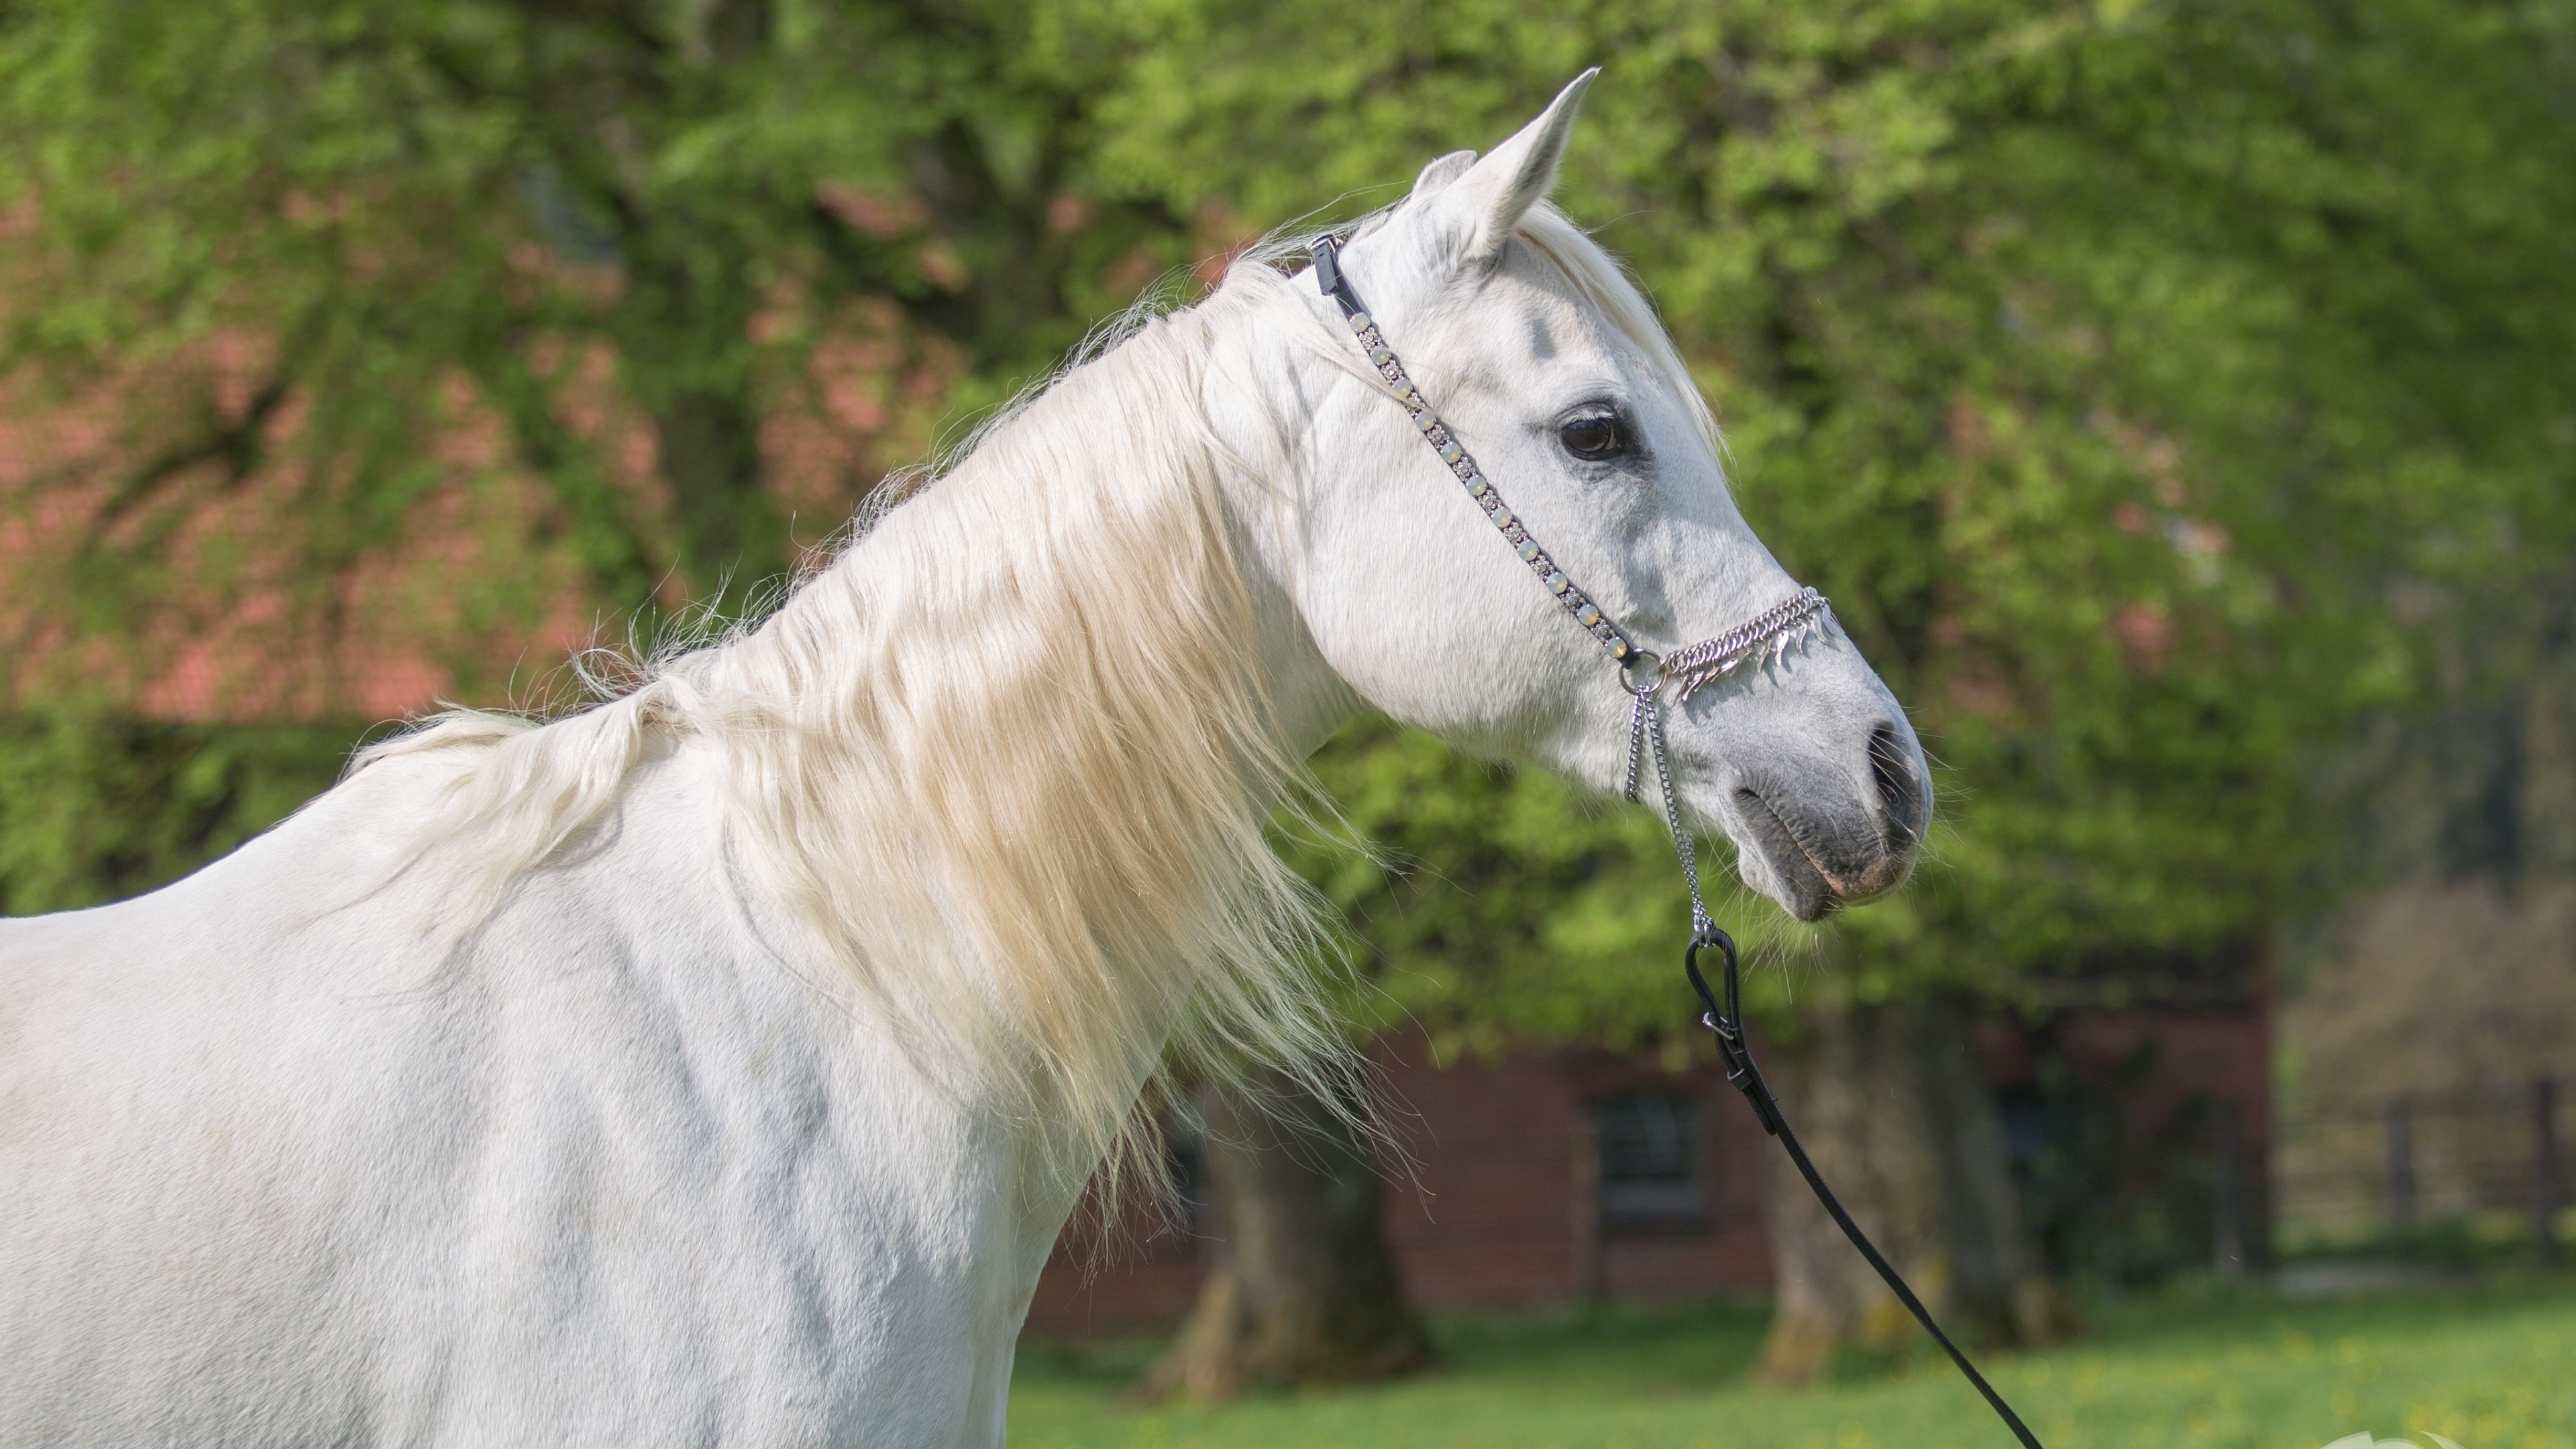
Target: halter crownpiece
x=1685, y=672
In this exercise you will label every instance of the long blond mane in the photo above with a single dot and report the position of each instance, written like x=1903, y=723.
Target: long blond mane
x=1007, y=758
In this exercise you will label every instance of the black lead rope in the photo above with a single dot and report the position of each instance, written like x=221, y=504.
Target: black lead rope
x=1727, y=1024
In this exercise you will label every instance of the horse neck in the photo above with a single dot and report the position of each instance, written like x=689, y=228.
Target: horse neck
x=1012, y=755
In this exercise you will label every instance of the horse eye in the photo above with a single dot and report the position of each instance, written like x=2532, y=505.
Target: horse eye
x=1594, y=439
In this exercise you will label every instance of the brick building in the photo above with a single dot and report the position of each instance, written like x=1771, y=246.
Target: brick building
x=1544, y=1177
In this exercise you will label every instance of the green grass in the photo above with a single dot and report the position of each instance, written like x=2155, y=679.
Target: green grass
x=2493, y=1367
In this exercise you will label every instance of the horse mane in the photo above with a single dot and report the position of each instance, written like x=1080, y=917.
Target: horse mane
x=1007, y=758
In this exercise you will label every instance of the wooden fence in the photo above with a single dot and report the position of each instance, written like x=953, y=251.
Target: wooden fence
x=2490, y=1160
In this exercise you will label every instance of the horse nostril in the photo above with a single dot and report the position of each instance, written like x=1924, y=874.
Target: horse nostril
x=1894, y=776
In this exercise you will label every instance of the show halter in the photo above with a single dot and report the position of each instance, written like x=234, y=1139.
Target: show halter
x=1647, y=677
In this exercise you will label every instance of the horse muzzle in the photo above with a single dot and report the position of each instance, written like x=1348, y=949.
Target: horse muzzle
x=1820, y=836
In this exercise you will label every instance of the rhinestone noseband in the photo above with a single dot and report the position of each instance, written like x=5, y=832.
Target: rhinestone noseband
x=1642, y=674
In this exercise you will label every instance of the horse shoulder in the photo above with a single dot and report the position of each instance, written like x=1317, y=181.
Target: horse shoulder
x=606, y=1159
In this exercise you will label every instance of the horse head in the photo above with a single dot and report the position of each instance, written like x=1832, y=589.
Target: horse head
x=1544, y=361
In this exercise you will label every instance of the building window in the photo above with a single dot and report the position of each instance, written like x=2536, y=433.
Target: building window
x=1653, y=1164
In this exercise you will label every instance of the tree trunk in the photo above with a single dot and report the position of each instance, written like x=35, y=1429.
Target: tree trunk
x=1301, y=1286
x=731, y=538
x=1892, y=1105
x=684, y=337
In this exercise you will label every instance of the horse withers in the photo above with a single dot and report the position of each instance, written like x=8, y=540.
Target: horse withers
x=718, y=1065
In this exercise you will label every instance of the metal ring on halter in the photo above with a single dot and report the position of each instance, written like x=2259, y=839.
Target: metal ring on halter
x=1641, y=673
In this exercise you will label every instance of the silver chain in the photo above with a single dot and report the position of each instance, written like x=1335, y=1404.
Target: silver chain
x=1646, y=722
x=1768, y=632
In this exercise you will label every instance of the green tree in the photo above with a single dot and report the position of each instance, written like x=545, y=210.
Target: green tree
x=2114, y=369
x=91, y=813
x=403, y=218
x=2153, y=386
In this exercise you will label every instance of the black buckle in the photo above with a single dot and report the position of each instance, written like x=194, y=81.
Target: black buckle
x=1726, y=1023
x=1329, y=277
x=1328, y=270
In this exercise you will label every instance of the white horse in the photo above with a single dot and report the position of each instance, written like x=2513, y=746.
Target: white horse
x=718, y=1065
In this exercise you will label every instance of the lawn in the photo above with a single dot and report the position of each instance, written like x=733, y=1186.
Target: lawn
x=2491, y=1366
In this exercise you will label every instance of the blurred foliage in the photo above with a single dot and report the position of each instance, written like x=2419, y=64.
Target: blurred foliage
x=1495, y=905
x=2155, y=389
x=410, y=218
x=94, y=810
x=2155, y=386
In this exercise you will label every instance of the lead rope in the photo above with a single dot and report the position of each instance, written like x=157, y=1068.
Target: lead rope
x=1727, y=1024
x=1644, y=677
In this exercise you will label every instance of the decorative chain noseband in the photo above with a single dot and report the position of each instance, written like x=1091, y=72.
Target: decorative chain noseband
x=1685, y=672
x=1770, y=631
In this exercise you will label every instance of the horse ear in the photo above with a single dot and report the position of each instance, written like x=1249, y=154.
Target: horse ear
x=1435, y=178
x=1473, y=215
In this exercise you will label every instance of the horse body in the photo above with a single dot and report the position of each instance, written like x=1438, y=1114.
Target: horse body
x=605, y=1175
x=718, y=1065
